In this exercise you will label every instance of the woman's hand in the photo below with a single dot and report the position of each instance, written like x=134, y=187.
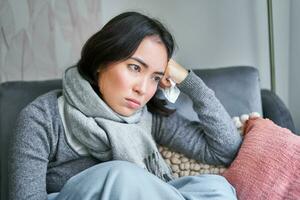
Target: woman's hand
x=175, y=72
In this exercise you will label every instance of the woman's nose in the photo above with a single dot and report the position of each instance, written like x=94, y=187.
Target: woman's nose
x=140, y=86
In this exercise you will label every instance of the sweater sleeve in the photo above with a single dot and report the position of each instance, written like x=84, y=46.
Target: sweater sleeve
x=213, y=139
x=29, y=154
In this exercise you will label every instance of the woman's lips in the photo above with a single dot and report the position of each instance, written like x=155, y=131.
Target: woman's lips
x=132, y=103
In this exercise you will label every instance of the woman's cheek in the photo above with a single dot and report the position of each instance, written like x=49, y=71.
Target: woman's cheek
x=152, y=92
x=124, y=81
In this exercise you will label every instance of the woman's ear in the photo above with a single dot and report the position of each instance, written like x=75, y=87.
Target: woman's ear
x=99, y=70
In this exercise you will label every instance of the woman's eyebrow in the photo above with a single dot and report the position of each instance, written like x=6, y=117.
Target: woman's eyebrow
x=145, y=64
x=140, y=61
x=159, y=73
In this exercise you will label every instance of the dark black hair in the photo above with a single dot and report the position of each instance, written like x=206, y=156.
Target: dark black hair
x=117, y=41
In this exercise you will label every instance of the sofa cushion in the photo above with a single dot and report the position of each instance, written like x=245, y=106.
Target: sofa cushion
x=268, y=162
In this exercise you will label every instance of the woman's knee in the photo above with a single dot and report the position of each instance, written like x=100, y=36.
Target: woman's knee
x=111, y=166
x=112, y=175
x=128, y=171
x=113, y=169
x=101, y=171
x=124, y=166
x=117, y=178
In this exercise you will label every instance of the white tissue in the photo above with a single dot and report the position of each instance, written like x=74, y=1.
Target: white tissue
x=172, y=92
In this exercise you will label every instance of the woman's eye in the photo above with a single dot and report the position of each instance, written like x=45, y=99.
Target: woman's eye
x=135, y=67
x=157, y=78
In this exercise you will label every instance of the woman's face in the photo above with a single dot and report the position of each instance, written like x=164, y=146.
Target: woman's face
x=128, y=85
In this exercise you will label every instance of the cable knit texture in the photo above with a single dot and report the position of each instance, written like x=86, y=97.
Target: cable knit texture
x=267, y=166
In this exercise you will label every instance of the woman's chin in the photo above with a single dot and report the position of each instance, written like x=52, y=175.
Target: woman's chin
x=126, y=112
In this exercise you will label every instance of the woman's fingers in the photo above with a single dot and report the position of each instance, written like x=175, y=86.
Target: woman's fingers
x=175, y=71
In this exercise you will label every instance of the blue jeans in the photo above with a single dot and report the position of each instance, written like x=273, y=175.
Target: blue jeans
x=121, y=180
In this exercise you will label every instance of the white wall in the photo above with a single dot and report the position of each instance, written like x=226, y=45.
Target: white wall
x=39, y=39
x=294, y=80
x=281, y=21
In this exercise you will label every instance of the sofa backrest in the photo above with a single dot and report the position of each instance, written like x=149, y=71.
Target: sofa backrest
x=236, y=87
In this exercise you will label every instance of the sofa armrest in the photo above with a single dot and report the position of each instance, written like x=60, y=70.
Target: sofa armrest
x=275, y=109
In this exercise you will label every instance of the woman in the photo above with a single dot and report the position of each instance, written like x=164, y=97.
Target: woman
x=96, y=139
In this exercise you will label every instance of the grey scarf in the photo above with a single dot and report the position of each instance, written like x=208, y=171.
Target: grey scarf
x=104, y=133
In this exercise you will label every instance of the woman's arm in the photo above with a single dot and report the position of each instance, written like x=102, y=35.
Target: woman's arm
x=29, y=154
x=214, y=139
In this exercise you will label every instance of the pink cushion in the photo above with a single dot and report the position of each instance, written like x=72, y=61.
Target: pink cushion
x=268, y=163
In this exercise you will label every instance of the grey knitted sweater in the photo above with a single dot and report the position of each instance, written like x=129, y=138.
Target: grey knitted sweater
x=41, y=160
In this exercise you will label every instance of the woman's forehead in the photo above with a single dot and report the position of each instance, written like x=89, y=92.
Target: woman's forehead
x=152, y=52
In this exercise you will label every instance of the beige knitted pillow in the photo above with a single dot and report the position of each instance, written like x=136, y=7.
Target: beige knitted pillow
x=183, y=166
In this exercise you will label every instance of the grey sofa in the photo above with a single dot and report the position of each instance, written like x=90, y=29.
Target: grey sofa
x=236, y=87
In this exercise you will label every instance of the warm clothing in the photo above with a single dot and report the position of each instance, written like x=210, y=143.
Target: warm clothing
x=105, y=134
x=41, y=159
